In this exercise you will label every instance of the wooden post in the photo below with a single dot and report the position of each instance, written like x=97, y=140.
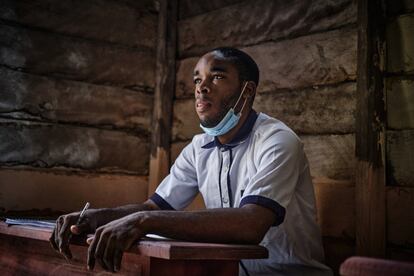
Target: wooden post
x=370, y=131
x=164, y=93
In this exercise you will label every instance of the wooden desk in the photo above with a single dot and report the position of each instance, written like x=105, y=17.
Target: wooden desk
x=26, y=251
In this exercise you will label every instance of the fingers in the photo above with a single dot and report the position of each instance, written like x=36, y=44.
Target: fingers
x=100, y=249
x=89, y=240
x=110, y=241
x=117, y=259
x=65, y=235
x=91, y=250
x=83, y=227
x=105, y=249
x=59, y=222
x=52, y=240
x=108, y=257
x=62, y=233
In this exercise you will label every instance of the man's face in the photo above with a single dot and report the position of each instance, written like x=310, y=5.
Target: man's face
x=217, y=88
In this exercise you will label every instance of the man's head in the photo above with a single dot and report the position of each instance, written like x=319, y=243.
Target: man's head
x=219, y=77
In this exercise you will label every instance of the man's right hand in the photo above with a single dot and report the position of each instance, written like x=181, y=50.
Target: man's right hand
x=92, y=219
x=66, y=226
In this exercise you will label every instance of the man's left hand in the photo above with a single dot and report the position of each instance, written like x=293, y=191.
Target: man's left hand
x=111, y=240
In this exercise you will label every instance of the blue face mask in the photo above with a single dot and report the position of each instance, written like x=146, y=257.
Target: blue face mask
x=228, y=122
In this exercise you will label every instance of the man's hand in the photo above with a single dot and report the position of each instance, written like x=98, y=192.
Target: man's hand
x=111, y=240
x=93, y=218
x=65, y=227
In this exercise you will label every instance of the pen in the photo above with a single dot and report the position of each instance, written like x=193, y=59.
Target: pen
x=80, y=217
x=77, y=223
x=83, y=212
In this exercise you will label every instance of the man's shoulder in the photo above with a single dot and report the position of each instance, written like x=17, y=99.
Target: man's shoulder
x=200, y=140
x=267, y=126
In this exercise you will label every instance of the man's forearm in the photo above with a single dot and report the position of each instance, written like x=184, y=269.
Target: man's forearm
x=246, y=225
x=133, y=208
x=125, y=210
x=230, y=225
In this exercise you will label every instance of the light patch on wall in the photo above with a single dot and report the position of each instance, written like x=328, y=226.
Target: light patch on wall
x=13, y=91
x=83, y=152
x=77, y=60
x=11, y=58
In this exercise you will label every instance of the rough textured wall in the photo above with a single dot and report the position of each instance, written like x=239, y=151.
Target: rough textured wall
x=399, y=87
x=76, y=85
x=306, y=51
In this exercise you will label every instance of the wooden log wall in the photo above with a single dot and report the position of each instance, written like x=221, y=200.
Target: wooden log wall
x=306, y=51
x=399, y=88
x=76, y=95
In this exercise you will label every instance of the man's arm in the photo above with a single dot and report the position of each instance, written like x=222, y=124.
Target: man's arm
x=246, y=225
x=93, y=218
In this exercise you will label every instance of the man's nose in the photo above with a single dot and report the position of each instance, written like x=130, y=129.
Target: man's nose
x=203, y=88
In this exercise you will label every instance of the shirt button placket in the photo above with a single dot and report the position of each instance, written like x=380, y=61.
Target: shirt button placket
x=224, y=172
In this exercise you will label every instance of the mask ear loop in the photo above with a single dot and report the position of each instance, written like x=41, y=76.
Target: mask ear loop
x=241, y=94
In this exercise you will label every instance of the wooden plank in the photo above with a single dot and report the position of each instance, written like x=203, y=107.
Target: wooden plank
x=189, y=8
x=185, y=120
x=194, y=267
x=184, y=84
x=400, y=103
x=71, y=58
x=179, y=258
x=250, y=23
x=397, y=7
x=400, y=159
x=165, y=249
x=400, y=217
x=67, y=191
x=337, y=250
x=176, y=148
x=196, y=204
x=164, y=93
x=41, y=98
x=27, y=256
x=179, y=250
x=51, y=146
x=319, y=110
x=370, y=125
x=331, y=156
x=325, y=58
x=400, y=253
x=335, y=203
x=400, y=44
x=25, y=231
x=110, y=21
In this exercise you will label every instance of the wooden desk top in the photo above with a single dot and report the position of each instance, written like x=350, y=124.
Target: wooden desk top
x=164, y=249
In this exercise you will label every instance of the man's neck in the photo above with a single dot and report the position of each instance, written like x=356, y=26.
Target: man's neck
x=226, y=138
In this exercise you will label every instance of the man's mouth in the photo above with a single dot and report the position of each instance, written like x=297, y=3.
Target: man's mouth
x=202, y=105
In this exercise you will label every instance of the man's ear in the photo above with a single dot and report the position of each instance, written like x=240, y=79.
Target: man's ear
x=250, y=90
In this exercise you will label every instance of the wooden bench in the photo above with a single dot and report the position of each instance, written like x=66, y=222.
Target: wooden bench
x=26, y=251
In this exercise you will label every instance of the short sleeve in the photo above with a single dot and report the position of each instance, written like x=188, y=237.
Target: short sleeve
x=277, y=163
x=179, y=188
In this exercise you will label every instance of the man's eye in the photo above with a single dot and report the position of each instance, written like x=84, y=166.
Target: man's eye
x=217, y=77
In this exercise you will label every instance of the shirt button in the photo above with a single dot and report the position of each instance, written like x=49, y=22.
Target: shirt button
x=225, y=199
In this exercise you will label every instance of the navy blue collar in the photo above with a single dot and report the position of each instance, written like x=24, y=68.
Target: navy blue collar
x=241, y=135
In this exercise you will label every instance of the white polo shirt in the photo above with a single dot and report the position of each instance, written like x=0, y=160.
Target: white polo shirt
x=265, y=165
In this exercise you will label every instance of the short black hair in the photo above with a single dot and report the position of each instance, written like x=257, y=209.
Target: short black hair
x=246, y=66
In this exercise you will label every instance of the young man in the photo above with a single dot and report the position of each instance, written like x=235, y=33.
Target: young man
x=250, y=169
